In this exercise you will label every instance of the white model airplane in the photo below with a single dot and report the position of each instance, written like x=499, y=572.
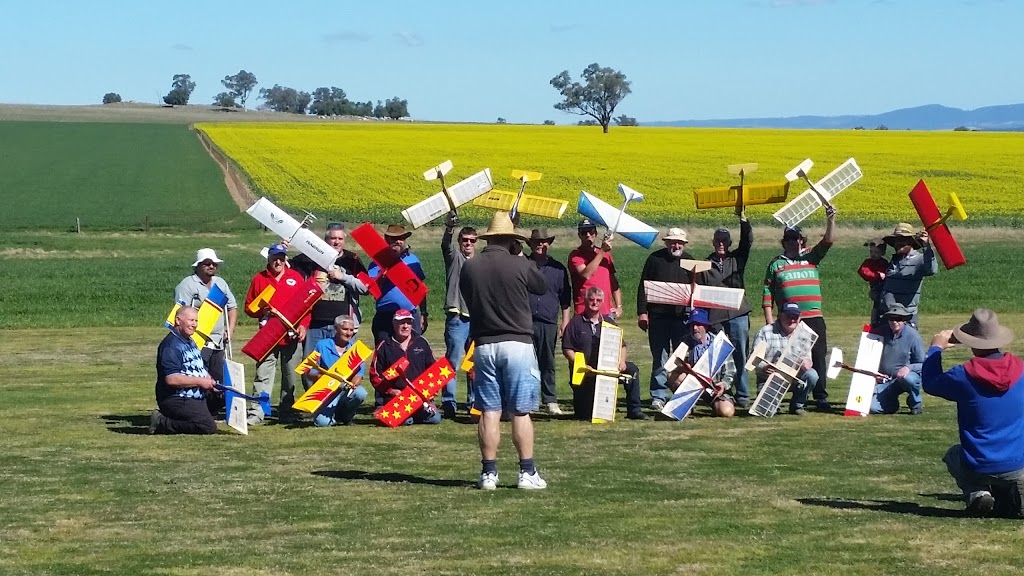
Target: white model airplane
x=865, y=372
x=449, y=198
x=616, y=219
x=699, y=377
x=305, y=240
x=787, y=369
x=820, y=194
x=693, y=294
x=519, y=203
x=606, y=373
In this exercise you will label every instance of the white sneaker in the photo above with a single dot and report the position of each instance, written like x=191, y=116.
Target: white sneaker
x=657, y=404
x=488, y=481
x=531, y=481
x=554, y=409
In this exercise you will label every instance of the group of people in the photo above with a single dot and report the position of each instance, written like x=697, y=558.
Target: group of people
x=513, y=303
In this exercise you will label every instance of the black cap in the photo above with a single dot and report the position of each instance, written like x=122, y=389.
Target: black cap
x=585, y=224
x=793, y=232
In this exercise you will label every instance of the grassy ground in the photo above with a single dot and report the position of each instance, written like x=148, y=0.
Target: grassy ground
x=53, y=173
x=86, y=492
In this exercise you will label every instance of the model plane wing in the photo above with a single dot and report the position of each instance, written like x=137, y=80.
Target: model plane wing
x=528, y=204
x=461, y=193
x=607, y=215
x=391, y=266
x=690, y=389
x=753, y=194
x=935, y=223
x=288, y=313
x=697, y=296
x=332, y=378
x=787, y=367
x=303, y=239
x=419, y=391
x=862, y=386
x=830, y=186
x=606, y=388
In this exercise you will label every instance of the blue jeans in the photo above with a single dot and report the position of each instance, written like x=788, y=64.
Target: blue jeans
x=738, y=331
x=664, y=333
x=456, y=341
x=314, y=335
x=800, y=389
x=887, y=394
x=341, y=409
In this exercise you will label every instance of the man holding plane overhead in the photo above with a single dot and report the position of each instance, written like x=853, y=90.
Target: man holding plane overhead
x=591, y=264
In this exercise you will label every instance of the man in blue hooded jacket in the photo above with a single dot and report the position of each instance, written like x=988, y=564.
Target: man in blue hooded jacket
x=988, y=463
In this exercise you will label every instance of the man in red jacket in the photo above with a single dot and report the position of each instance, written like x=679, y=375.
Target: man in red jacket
x=288, y=352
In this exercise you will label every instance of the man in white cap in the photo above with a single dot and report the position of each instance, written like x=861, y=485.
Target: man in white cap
x=497, y=286
x=988, y=463
x=192, y=290
x=665, y=324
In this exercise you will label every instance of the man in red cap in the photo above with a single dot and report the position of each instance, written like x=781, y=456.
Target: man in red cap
x=403, y=343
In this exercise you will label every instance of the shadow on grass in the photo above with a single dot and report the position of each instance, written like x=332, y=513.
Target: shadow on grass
x=392, y=478
x=944, y=497
x=127, y=423
x=891, y=506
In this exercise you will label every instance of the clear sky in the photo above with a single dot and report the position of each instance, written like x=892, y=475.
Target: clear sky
x=478, y=60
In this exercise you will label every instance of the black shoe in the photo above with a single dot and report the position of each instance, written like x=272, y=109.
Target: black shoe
x=637, y=416
x=154, y=421
x=448, y=411
x=823, y=406
x=981, y=506
x=743, y=403
x=287, y=418
x=797, y=410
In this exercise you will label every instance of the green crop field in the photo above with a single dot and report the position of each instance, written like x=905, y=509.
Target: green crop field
x=110, y=176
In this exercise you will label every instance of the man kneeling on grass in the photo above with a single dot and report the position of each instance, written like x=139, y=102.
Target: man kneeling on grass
x=988, y=463
x=182, y=382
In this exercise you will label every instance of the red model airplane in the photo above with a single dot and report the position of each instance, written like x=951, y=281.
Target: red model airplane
x=935, y=224
x=392, y=268
x=401, y=407
x=287, y=308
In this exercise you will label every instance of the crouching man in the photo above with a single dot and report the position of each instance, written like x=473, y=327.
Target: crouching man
x=698, y=341
x=182, y=381
x=988, y=463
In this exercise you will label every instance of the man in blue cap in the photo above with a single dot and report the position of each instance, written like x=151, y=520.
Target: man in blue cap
x=776, y=336
x=698, y=340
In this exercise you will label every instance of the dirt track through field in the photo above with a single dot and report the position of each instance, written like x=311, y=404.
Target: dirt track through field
x=240, y=193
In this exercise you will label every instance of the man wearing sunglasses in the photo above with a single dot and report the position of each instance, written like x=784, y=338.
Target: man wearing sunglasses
x=912, y=262
x=192, y=290
x=456, y=250
x=591, y=265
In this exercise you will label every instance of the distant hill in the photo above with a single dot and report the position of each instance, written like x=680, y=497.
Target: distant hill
x=928, y=117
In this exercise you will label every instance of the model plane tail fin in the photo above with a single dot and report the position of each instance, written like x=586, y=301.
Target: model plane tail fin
x=835, y=363
x=800, y=171
x=737, y=169
x=579, y=368
x=438, y=171
x=524, y=176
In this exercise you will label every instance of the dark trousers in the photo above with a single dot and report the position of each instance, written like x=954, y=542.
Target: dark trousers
x=819, y=356
x=544, y=336
x=214, y=360
x=583, y=395
x=185, y=416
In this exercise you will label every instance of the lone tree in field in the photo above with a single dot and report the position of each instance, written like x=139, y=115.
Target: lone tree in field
x=396, y=108
x=240, y=85
x=181, y=90
x=111, y=98
x=601, y=91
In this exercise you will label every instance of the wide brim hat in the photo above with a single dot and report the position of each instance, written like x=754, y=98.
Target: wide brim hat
x=501, y=225
x=397, y=231
x=983, y=331
x=904, y=231
x=677, y=234
x=898, y=311
x=541, y=234
x=204, y=254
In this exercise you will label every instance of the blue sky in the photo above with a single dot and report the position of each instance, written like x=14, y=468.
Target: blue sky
x=476, y=61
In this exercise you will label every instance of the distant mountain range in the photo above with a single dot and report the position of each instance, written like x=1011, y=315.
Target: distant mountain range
x=929, y=117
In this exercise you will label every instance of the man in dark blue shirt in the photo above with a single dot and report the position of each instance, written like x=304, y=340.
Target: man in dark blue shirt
x=182, y=382
x=550, y=313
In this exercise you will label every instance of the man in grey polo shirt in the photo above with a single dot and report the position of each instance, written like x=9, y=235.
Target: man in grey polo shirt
x=192, y=290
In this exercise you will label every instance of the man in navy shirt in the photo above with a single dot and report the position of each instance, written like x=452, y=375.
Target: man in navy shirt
x=550, y=313
x=182, y=382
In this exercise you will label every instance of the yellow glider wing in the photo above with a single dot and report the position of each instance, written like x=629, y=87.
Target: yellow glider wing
x=753, y=194
x=330, y=379
x=534, y=205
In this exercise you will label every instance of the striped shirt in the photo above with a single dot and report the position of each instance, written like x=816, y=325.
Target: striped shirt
x=796, y=280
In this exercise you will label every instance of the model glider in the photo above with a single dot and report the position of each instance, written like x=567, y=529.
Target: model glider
x=287, y=308
x=693, y=295
x=295, y=232
x=209, y=314
x=393, y=272
x=819, y=194
x=935, y=223
x=744, y=194
x=401, y=407
x=865, y=372
x=606, y=373
x=519, y=203
x=616, y=219
x=787, y=369
x=449, y=198
x=330, y=379
x=699, y=377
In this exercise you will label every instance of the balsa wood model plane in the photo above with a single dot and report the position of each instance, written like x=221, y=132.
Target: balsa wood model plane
x=693, y=294
x=820, y=194
x=209, y=313
x=699, y=377
x=745, y=194
x=295, y=232
x=402, y=406
x=449, y=198
x=786, y=369
x=615, y=219
x=393, y=272
x=606, y=373
x=287, y=308
x=935, y=223
x=519, y=203
x=865, y=372
x=330, y=379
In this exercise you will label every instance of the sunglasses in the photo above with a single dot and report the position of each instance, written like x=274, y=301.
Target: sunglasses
x=470, y=240
x=209, y=263
x=589, y=232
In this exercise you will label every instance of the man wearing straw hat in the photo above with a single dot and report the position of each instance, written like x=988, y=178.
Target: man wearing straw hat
x=988, y=463
x=497, y=286
x=913, y=261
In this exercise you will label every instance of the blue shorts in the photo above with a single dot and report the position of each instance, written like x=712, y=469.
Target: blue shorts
x=506, y=378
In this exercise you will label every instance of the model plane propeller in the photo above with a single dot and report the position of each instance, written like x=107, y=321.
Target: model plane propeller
x=786, y=369
x=520, y=203
x=745, y=194
x=615, y=219
x=329, y=379
x=392, y=270
x=865, y=372
x=819, y=194
x=305, y=240
x=449, y=198
x=606, y=373
x=699, y=377
x=935, y=223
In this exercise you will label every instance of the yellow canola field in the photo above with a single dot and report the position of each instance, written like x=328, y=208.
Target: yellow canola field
x=356, y=171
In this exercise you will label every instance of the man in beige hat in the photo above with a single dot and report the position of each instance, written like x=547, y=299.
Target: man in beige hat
x=902, y=355
x=665, y=324
x=497, y=286
x=913, y=260
x=550, y=312
x=988, y=463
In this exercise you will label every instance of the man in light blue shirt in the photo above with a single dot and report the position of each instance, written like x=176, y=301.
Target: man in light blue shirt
x=902, y=355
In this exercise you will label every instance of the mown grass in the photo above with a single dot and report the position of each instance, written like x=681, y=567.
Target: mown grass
x=111, y=177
